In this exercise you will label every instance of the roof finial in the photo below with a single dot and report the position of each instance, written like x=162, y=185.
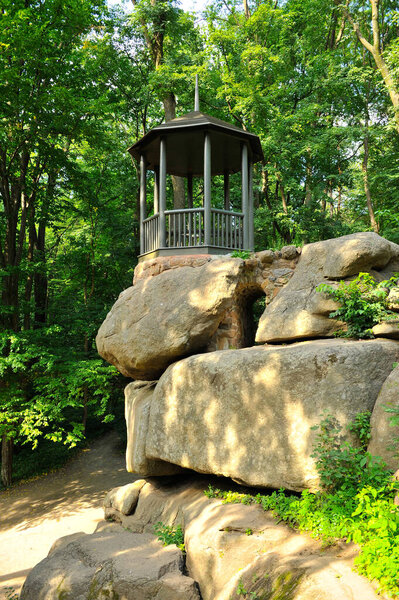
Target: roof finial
x=196, y=102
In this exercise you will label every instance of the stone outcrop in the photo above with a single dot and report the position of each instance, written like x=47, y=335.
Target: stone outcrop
x=384, y=436
x=299, y=312
x=164, y=318
x=233, y=546
x=111, y=563
x=183, y=305
x=138, y=396
x=247, y=414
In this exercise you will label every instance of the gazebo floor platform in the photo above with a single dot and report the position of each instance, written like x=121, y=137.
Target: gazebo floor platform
x=187, y=250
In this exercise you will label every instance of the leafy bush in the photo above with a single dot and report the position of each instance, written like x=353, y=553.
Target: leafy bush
x=341, y=465
x=357, y=503
x=363, y=303
x=169, y=535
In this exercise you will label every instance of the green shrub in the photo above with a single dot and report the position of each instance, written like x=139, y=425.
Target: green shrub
x=169, y=535
x=341, y=465
x=363, y=303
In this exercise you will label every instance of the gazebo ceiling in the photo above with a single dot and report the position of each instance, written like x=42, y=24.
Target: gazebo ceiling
x=185, y=145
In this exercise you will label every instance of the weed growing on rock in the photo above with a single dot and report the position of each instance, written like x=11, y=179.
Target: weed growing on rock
x=244, y=254
x=169, y=535
x=356, y=503
x=363, y=303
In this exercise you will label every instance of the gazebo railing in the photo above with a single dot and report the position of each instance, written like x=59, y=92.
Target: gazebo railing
x=151, y=233
x=227, y=229
x=185, y=228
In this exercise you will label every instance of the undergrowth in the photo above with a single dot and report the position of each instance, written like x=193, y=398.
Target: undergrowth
x=356, y=503
x=47, y=456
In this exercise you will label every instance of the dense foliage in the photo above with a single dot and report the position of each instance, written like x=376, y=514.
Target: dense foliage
x=356, y=504
x=80, y=82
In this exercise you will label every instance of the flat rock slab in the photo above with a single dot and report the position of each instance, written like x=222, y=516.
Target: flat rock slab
x=387, y=329
x=233, y=547
x=248, y=414
x=111, y=563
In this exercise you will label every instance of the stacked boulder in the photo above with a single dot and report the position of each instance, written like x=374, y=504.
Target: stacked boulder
x=246, y=412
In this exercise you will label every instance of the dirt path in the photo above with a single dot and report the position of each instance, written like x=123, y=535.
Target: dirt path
x=33, y=515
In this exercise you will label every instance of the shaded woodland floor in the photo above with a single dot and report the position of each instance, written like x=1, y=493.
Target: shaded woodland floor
x=36, y=513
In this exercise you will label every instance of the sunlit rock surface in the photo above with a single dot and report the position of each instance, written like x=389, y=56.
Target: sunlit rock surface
x=248, y=414
x=110, y=563
x=385, y=436
x=138, y=396
x=163, y=318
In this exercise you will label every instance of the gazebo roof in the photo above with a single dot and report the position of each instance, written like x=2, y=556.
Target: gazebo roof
x=184, y=146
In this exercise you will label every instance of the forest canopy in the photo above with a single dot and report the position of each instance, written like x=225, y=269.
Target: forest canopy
x=80, y=82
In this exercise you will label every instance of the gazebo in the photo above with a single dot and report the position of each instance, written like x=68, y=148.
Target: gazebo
x=196, y=145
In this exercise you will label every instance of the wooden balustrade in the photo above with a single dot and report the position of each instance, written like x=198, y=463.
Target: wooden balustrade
x=185, y=228
x=151, y=233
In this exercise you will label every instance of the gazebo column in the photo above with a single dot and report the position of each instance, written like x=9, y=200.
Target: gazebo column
x=226, y=182
x=156, y=190
x=207, y=189
x=244, y=192
x=162, y=193
x=190, y=190
x=143, y=202
x=251, y=207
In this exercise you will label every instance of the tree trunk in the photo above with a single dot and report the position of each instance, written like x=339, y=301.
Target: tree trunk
x=40, y=279
x=7, y=446
x=169, y=103
x=29, y=279
x=283, y=196
x=370, y=208
x=375, y=50
x=308, y=188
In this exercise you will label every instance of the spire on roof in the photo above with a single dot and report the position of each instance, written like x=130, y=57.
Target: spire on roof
x=196, y=101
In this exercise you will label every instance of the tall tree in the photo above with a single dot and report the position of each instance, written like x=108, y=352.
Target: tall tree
x=374, y=36
x=157, y=18
x=47, y=104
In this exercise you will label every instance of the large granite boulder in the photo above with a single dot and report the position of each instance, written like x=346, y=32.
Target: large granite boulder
x=111, y=563
x=138, y=396
x=299, y=312
x=385, y=436
x=163, y=318
x=248, y=414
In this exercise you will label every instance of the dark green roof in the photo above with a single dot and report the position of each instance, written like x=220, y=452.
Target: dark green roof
x=184, y=145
